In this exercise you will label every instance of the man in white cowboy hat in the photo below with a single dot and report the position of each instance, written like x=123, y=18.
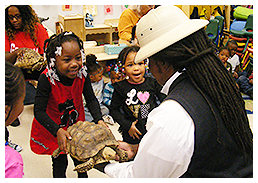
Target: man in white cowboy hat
x=201, y=129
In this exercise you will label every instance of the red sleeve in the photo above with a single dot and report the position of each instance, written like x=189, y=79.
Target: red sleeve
x=7, y=43
x=42, y=35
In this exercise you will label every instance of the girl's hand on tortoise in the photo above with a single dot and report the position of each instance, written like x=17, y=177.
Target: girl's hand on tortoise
x=62, y=135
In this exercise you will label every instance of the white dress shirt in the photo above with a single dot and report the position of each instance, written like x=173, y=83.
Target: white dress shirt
x=167, y=147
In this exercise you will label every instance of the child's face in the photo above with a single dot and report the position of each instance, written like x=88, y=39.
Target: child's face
x=135, y=72
x=224, y=55
x=233, y=48
x=96, y=76
x=70, y=62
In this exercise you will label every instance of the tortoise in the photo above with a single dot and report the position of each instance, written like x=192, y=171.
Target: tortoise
x=30, y=60
x=93, y=144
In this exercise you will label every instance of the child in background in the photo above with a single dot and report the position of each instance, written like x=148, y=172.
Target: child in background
x=245, y=83
x=135, y=96
x=97, y=82
x=234, y=59
x=58, y=101
x=224, y=54
x=14, y=97
x=115, y=76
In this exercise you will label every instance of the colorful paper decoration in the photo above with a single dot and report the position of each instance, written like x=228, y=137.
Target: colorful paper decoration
x=124, y=7
x=108, y=9
x=67, y=8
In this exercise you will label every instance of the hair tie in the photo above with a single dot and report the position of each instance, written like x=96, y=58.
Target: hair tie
x=198, y=55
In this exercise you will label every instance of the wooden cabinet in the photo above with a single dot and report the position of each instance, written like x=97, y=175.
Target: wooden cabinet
x=74, y=23
x=102, y=33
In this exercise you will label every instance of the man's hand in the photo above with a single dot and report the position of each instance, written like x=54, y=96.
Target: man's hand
x=131, y=149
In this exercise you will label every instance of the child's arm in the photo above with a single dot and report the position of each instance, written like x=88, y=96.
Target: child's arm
x=235, y=74
x=116, y=103
x=40, y=105
x=133, y=131
x=62, y=136
x=91, y=100
x=107, y=95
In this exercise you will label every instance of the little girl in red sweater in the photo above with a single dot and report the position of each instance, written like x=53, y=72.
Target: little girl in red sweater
x=58, y=102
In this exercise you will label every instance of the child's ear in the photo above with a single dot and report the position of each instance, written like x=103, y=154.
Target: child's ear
x=91, y=77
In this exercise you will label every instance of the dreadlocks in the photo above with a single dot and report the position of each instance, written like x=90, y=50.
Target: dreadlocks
x=195, y=55
x=29, y=20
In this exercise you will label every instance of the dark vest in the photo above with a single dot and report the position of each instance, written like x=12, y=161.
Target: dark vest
x=216, y=154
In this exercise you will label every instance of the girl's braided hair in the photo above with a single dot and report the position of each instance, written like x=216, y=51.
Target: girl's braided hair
x=14, y=81
x=92, y=64
x=195, y=55
x=29, y=22
x=123, y=54
x=51, y=44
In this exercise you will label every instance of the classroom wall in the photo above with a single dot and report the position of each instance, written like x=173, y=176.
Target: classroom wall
x=52, y=12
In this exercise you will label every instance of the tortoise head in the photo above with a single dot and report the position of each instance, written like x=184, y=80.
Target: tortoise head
x=109, y=154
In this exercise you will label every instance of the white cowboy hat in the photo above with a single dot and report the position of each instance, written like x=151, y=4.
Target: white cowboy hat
x=163, y=27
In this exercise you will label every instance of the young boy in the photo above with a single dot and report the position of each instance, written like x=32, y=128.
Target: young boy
x=224, y=54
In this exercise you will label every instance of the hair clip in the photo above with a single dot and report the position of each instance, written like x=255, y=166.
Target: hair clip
x=98, y=72
x=44, y=56
x=68, y=33
x=116, y=68
x=83, y=56
x=58, y=50
x=52, y=62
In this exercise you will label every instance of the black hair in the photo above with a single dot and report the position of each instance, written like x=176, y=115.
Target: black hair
x=92, y=64
x=57, y=41
x=195, y=56
x=232, y=42
x=123, y=54
x=225, y=48
x=29, y=20
x=14, y=81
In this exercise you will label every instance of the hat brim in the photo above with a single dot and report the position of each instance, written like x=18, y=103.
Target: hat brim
x=169, y=38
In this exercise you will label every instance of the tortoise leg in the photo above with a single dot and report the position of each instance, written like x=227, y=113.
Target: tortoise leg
x=85, y=166
x=122, y=154
x=56, y=153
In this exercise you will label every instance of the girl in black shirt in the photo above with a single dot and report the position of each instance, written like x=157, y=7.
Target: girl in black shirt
x=134, y=98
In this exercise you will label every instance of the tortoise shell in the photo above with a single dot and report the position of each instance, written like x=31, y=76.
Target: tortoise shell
x=88, y=139
x=30, y=59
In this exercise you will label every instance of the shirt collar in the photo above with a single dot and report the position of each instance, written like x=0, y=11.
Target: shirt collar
x=165, y=88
